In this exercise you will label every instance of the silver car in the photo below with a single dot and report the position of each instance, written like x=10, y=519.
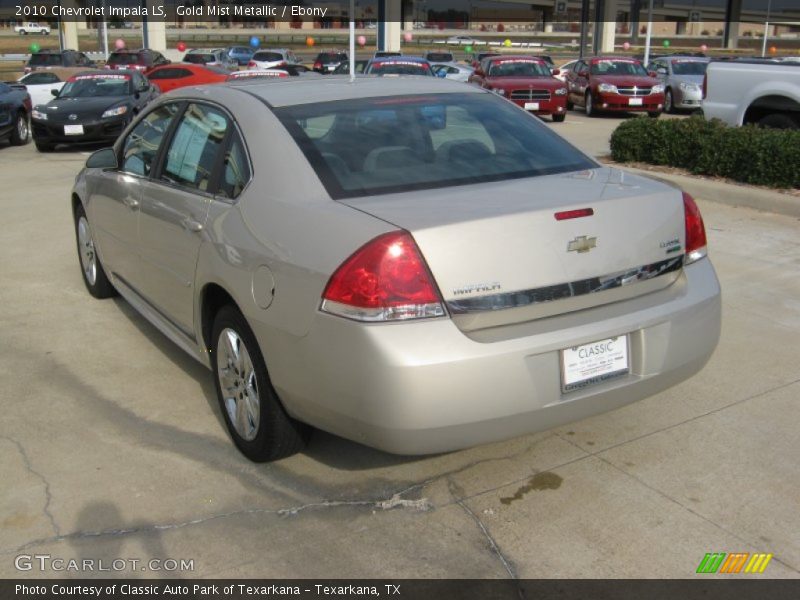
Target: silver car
x=682, y=77
x=452, y=70
x=410, y=263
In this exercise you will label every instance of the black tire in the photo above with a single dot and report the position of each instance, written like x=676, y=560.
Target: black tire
x=95, y=280
x=276, y=435
x=43, y=146
x=779, y=121
x=21, y=134
x=591, y=110
x=669, y=102
x=559, y=118
x=654, y=114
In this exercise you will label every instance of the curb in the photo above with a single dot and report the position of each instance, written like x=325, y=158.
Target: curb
x=727, y=193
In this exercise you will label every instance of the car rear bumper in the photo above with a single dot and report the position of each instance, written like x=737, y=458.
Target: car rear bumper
x=53, y=133
x=619, y=103
x=425, y=387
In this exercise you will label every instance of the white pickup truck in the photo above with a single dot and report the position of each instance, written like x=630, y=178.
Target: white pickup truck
x=27, y=28
x=764, y=93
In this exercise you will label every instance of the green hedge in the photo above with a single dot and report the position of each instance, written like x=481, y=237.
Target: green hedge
x=749, y=154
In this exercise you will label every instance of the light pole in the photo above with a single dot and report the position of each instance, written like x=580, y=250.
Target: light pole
x=766, y=30
x=649, y=33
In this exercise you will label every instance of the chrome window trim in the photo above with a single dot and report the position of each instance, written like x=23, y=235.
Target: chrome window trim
x=573, y=289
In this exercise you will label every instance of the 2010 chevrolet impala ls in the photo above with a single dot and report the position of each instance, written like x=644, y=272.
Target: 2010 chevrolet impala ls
x=410, y=263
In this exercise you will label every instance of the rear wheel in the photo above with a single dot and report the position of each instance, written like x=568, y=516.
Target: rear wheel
x=94, y=276
x=22, y=131
x=559, y=118
x=256, y=420
x=779, y=121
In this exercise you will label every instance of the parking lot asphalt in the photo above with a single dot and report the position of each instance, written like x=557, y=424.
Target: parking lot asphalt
x=113, y=446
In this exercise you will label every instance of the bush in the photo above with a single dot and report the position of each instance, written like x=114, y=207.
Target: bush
x=748, y=154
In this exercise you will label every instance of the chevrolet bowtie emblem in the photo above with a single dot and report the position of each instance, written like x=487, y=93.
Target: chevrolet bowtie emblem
x=582, y=244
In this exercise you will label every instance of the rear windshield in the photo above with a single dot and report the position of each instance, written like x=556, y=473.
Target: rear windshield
x=267, y=56
x=689, y=67
x=400, y=67
x=439, y=57
x=374, y=146
x=199, y=59
x=45, y=60
x=126, y=58
x=329, y=57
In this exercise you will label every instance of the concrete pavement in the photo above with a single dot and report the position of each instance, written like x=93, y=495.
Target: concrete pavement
x=113, y=446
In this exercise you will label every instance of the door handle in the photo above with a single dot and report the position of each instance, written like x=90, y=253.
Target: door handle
x=192, y=225
x=131, y=203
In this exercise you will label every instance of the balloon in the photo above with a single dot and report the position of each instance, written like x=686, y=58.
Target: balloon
x=181, y=47
x=119, y=44
x=362, y=40
x=773, y=49
x=407, y=36
x=468, y=49
x=626, y=46
x=309, y=41
x=507, y=43
x=666, y=43
x=704, y=48
x=34, y=48
x=255, y=42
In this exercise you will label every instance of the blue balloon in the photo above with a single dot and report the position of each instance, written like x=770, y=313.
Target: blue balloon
x=255, y=42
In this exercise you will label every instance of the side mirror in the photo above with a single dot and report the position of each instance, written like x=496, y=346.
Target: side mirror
x=102, y=159
x=55, y=92
x=556, y=72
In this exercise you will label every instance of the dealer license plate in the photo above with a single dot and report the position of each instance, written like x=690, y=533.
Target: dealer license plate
x=634, y=101
x=593, y=363
x=73, y=129
x=531, y=106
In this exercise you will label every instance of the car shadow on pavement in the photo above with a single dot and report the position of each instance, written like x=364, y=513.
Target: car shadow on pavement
x=326, y=448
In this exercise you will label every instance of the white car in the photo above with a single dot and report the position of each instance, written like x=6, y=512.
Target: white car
x=41, y=84
x=452, y=70
x=564, y=69
x=461, y=40
x=27, y=28
x=272, y=57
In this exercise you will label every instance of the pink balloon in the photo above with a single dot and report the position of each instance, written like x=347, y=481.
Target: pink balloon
x=407, y=36
x=626, y=46
x=119, y=44
x=181, y=47
x=703, y=47
x=362, y=40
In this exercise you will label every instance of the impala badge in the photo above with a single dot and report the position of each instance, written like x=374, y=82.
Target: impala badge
x=582, y=244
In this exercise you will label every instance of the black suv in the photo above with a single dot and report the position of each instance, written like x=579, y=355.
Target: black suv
x=140, y=60
x=46, y=59
x=326, y=62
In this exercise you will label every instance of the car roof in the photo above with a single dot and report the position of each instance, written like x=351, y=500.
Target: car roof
x=516, y=57
x=115, y=72
x=611, y=57
x=403, y=58
x=337, y=87
x=687, y=57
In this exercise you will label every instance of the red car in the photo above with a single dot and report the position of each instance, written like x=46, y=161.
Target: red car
x=525, y=80
x=614, y=84
x=171, y=77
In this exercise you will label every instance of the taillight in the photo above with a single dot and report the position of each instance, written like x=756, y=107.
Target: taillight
x=384, y=280
x=252, y=63
x=317, y=65
x=695, y=231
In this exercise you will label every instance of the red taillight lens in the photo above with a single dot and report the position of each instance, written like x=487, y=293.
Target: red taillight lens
x=317, y=65
x=252, y=63
x=695, y=230
x=385, y=280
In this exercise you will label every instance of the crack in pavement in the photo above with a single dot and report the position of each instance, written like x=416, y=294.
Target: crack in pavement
x=29, y=467
x=456, y=492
